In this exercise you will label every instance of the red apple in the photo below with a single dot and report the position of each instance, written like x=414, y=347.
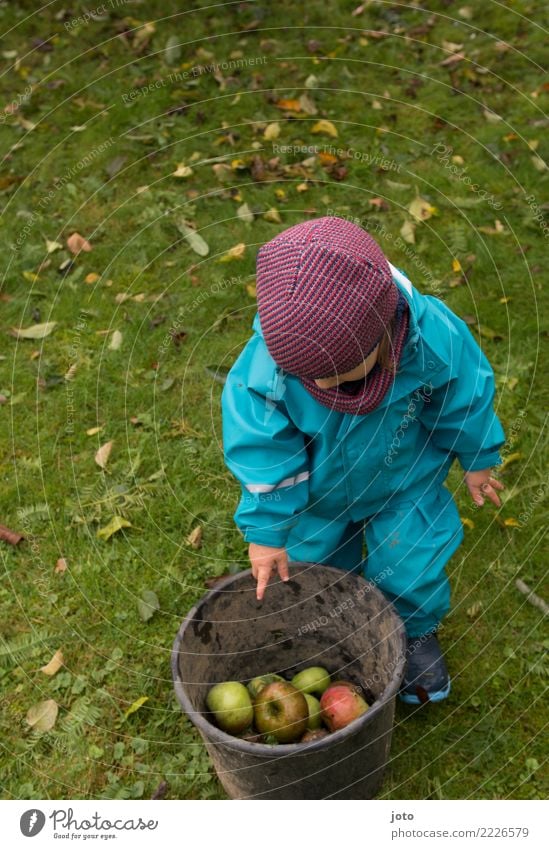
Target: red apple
x=281, y=710
x=340, y=704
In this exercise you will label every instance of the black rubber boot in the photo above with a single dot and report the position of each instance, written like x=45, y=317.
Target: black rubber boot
x=426, y=678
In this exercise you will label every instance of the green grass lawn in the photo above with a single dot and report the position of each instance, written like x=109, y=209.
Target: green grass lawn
x=374, y=110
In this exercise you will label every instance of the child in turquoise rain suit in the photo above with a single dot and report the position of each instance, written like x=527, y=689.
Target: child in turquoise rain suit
x=333, y=443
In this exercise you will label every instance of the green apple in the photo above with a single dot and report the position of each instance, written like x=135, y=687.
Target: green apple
x=314, y=679
x=315, y=720
x=257, y=684
x=281, y=711
x=231, y=706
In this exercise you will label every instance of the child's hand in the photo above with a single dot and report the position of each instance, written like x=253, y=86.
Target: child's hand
x=480, y=484
x=266, y=560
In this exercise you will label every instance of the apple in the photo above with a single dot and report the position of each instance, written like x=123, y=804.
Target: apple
x=231, y=706
x=311, y=736
x=315, y=720
x=340, y=705
x=281, y=710
x=356, y=688
x=257, y=684
x=314, y=679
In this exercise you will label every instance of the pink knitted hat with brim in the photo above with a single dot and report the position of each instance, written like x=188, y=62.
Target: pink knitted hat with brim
x=325, y=295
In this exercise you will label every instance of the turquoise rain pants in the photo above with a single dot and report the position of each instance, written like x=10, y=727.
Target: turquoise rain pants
x=408, y=547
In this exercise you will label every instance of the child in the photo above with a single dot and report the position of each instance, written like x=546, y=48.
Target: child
x=342, y=417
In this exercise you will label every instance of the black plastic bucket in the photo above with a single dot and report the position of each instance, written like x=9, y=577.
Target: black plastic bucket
x=321, y=617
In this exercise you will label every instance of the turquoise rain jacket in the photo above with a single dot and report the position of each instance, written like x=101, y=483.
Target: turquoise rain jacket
x=295, y=457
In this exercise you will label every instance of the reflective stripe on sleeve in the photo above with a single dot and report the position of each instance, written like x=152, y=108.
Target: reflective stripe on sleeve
x=267, y=487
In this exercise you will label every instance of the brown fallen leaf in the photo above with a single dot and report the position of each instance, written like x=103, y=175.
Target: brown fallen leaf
x=7, y=535
x=77, y=243
x=54, y=665
x=453, y=59
x=60, y=566
x=289, y=104
x=103, y=453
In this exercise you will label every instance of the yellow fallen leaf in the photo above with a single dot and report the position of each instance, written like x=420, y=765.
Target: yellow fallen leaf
x=408, y=232
x=325, y=128
x=54, y=665
x=103, y=454
x=273, y=215
x=421, y=209
x=35, y=331
x=195, y=537
x=511, y=523
x=251, y=290
x=183, y=170
x=135, y=706
x=511, y=458
x=456, y=266
x=468, y=523
x=236, y=252
x=91, y=431
x=116, y=524
x=53, y=246
x=30, y=276
x=272, y=131
x=90, y=278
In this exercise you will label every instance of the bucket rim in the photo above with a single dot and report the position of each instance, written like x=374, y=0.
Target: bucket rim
x=215, y=735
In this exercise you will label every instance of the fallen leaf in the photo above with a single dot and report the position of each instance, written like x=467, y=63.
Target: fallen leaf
x=325, y=128
x=474, y=610
x=538, y=163
x=245, y=213
x=453, y=59
x=511, y=523
x=272, y=131
x=408, y=232
x=307, y=104
x=492, y=117
x=103, y=454
x=468, y=523
x=36, y=331
x=496, y=230
x=456, y=266
x=272, y=215
x=53, y=246
x=251, y=290
x=91, y=431
x=421, y=209
x=511, y=458
x=92, y=277
x=136, y=705
x=291, y=105
x=116, y=340
x=115, y=165
x=183, y=170
x=148, y=604
x=42, y=716
x=116, y=524
x=77, y=243
x=195, y=537
x=31, y=277
x=12, y=537
x=195, y=240
x=60, y=566
x=236, y=252
x=54, y=665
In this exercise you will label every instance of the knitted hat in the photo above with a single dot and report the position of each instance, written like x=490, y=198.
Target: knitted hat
x=325, y=296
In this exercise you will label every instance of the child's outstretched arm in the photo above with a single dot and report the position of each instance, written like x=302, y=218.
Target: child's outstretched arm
x=266, y=452
x=460, y=414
